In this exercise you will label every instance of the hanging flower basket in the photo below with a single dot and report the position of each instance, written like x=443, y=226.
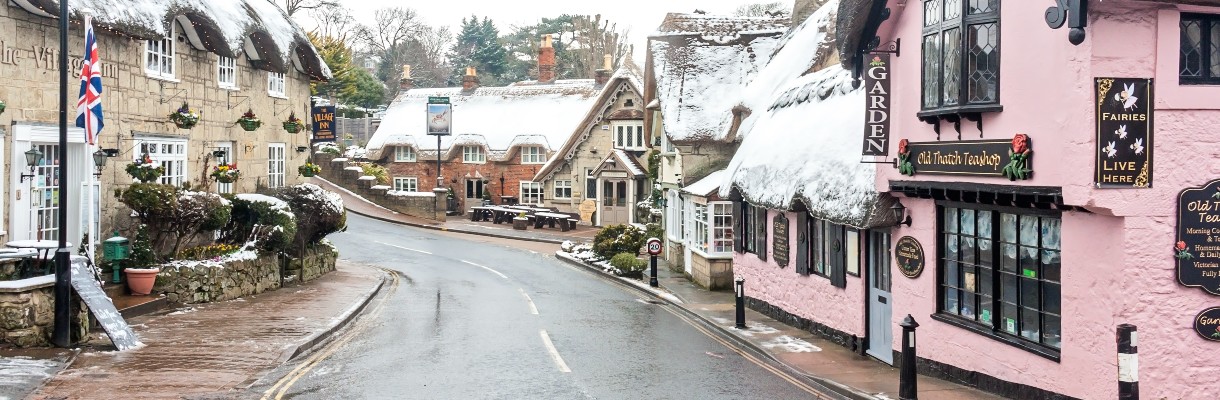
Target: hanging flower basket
x=144, y=170
x=226, y=173
x=309, y=170
x=249, y=121
x=293, y=124
x=185, y=117
x=2, y=105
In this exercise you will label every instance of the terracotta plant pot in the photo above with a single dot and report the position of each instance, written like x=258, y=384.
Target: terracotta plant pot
x=141, y=280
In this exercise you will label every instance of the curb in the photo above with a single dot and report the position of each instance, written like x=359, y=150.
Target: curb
x=829, y=386
x=340, y=322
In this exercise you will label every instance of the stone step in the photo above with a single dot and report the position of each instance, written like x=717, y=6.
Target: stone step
x=133, y=306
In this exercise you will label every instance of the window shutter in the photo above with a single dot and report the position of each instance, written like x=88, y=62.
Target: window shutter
x=760, y=232
x=738, y=222
x=802, y=243
x=838, y=269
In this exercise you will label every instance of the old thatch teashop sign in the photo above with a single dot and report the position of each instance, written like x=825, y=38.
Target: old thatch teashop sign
x=1197, y=248
x=1124, y=133
x=779, y=241
x=877, y=106
x=1003, y=158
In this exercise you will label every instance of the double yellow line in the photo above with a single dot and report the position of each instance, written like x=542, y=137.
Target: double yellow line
x=281, y=387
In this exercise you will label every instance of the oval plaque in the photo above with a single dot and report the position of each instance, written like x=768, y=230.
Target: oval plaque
x=1207, y=324
x=909, y=255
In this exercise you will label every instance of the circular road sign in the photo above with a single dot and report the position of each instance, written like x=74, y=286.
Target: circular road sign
x=654, y=246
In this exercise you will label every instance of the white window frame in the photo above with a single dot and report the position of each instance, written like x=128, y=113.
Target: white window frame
x=709, y=236
x=226, y=67
x=160, y=55
x=406, y=184
x=673, y=216
x=534, y=194
x=699, y=227
x=167, y=152
x=473, y=155
x=276, y=84
x=404, y=154
x=533, y=155
x=628, y=135
x=275, y=165
x=563, y=188
x=721, y=227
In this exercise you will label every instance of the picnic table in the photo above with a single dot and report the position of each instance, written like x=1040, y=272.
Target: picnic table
x=480, y=213
x=503, y=214
x=565, y=221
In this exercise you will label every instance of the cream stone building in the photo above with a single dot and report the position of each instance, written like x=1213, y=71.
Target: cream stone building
x=220, y=57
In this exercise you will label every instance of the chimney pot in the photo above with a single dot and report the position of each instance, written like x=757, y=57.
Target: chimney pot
x=471, y=80
x=406, y=72
x=546, y=61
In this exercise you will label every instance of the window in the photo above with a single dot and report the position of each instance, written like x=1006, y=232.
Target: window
x=1199, y=58
x=827, y=254
x=673, y=215
x=533, y=155
x=629, y=135
x=473, y=154
x=168, y=153
x=961, y=56
x=404, y=154
x=531, y=193
x=275, y=84
x=590, y=184
x=1005, y=281
x=275, y=165
x=722, y=227
x=666, y=145
x=406, y=184
x=226, y=72
x=753, y=228
x=563, y=189
x=699, y=225
x=159, y=55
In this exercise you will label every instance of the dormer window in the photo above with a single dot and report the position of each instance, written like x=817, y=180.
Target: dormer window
x=473, y=154
x=275, y=84
x=226, y=72
x=159, y=55
x=628, y=135
x=533, y=155
x=404, y=154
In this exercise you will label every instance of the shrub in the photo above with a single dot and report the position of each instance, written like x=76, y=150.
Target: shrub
x=175, y=216
x=207, y=252
x=626, y=264
x=142, y=255
x=617, y=239
x=266, y=221
x=318, y=213
x=376, y=171
x=654, y=230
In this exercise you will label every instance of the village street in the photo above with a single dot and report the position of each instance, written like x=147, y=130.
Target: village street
x=489, y=318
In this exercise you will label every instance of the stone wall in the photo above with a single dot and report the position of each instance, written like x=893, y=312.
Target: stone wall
x=313, y=265
x=415, y=204
x=712, y=274
x=27, y=313
x=206, y=282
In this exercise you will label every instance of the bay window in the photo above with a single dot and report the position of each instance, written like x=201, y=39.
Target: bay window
x=961, y=56
x=712, y=228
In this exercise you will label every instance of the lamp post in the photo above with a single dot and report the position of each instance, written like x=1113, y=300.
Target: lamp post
x=62, y=334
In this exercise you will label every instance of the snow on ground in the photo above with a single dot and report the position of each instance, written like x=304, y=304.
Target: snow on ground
x=791, y=345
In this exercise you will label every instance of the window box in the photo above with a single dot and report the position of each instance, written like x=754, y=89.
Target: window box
x=960, y=59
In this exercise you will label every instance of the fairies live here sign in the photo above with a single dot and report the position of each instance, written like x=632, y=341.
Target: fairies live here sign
x=1124, y=133
x=1197, y=249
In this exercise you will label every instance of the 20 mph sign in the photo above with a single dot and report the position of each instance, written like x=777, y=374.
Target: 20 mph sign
x=654, y=246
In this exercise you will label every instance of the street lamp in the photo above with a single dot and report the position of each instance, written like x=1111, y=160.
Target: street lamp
x=32, y=158
x=99, y=161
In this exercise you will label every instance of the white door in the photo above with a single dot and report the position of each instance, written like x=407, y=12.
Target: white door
x=687, y=233
x=614, y=203
x=35, y=202
x=880, y=300
x=226, y=158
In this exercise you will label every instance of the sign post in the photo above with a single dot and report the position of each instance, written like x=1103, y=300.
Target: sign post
x=439, y=123
x=654, y=249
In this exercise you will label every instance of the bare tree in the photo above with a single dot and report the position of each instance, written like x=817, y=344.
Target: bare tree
x=391, y=28
x=594, y=38
x=335, y=21
x=772, y=9
x=293, y=6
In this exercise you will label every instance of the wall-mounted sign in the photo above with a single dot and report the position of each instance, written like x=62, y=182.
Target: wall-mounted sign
x=877, y=106
x=1124, y=133
x=1197, y=249
x=1207, y=324
x=323, y=124
x=440, y=116
x=1011, y=159
x=779, y=239
x=909, y=255
x=586, y=209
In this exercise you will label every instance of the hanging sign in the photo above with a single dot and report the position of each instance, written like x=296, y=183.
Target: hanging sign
x=1207, y=324
x=1124, y=133
x=1197, y=248
x=1010, y=159
x=323, y=124
x=909, y=255
x=877, y=106
x=779, y=239
x=440, y=116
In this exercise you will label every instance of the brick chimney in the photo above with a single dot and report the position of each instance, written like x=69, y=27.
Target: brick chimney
x=602, y=75
x=471, y=80
x=406, y=83
x=546, y=61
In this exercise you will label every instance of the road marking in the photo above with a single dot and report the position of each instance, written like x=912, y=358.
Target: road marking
x=489, y=269
x=404, y=248
x=550, y=347
x=533, y=309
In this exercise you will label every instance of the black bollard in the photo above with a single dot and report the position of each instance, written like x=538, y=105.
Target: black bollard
x=907, y=388
x=652, y=280
x=1128, y=363
x=740, y=285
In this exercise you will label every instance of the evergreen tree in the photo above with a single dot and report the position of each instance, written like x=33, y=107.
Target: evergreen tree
x=369, y=92
x=478, y=45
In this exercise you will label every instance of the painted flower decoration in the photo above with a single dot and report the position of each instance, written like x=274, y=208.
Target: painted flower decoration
x=902, y=146
x=1020, y=143
x=1182, y=246
x=1182, y=253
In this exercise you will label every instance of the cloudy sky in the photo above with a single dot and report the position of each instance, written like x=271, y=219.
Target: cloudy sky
x=639, y=17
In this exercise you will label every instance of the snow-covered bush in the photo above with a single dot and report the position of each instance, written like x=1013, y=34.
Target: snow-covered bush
x=616, y=239
x=318, y=213
x=626, y=264
x=174, y=216
x=264, y=220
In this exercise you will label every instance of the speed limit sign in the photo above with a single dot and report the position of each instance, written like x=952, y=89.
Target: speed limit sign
x=654, y=246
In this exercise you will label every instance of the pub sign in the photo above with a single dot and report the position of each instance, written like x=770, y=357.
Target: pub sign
x=877, y=107
x=323, y=124
x=1197, y=248
x=1124, y=133
x=908, y=253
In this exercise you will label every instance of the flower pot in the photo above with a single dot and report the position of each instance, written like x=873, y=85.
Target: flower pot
x=2, y=105
x=250, y=124
x=308, y=173
x=520, y=223
x=226, y=179
x=141, y=280
x=292, y=127
x=183, y=124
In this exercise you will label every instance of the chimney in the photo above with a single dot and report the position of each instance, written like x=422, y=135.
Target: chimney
x=546, y=61
x=471, y=80
x=603, y=75
x=406, y=83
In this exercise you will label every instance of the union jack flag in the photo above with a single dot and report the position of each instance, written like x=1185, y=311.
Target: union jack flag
x=89, y=108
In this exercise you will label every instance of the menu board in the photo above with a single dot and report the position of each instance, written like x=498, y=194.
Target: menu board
x=1197, y=248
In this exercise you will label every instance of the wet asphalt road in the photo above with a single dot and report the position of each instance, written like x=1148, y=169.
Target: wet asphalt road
x=478, y=318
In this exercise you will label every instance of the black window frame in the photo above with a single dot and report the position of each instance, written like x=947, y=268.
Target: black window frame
x=1207, y=49
x=995, y=330
x=962, y=23
x=751, y=221
x=818, y=241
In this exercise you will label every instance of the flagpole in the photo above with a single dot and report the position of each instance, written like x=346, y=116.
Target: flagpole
x=93, y=232
x=62, y=334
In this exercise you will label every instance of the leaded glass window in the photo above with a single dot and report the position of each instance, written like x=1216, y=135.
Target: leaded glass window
x=1199, y=51
x=961, y=54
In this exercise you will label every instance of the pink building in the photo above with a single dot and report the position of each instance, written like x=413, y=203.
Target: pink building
x=1056, y=191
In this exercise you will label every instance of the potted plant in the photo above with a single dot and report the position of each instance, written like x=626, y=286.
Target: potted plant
x=142, y=276
x=2, y=105
x=520, y=222
x=144, y=170
x=309, y=170
x=293, y=124
x=185, y=117
x=226, y=173
x=249, y=121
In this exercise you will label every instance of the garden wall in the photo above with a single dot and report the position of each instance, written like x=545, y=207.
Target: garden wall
x=312, y=266
x=211, y=281
x=27, y=312
x=346, y=174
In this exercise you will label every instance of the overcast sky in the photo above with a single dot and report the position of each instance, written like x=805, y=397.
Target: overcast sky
x=639, y=17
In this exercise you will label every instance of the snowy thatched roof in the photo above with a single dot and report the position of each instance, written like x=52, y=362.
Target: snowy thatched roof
x=700, y=64
x=259, y=29
x=626, y=79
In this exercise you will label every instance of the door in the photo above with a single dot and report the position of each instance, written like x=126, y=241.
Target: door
x=44, y=195
x=615, y=209
x=687, y=213
x=880, y=300
x=474, y=192
x=225, y=149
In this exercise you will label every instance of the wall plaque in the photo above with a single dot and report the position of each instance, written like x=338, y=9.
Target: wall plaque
x=1124, y=133
x=997, y=158
x=1207, y=324
x=586, y=209
x=779, y=239
x=909, y=255
x=1197, y=249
